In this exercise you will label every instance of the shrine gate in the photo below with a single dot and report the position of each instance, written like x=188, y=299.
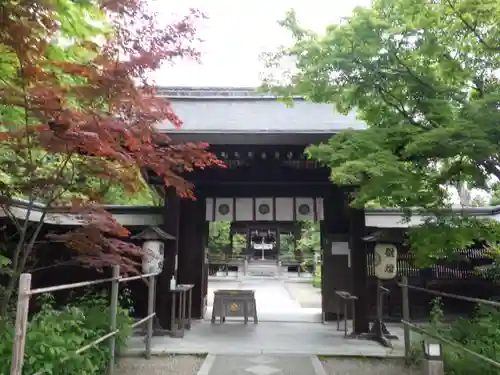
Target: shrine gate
x=268, y=181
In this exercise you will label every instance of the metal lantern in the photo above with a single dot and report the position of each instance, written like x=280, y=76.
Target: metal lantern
x=385, y=261
x=432, y=351
x=152, y=260
x=153, y=248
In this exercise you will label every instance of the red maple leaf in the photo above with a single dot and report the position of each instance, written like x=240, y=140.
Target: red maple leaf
x=100, y=124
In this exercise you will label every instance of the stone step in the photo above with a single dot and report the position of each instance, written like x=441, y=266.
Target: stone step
x=261, y=269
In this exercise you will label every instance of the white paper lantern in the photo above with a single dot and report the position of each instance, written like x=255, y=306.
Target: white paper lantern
x=386, y=256
x=152, y=260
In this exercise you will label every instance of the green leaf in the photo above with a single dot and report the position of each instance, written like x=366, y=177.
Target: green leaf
x=4, y=261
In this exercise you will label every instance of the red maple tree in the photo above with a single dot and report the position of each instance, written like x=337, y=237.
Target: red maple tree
x=78, y=122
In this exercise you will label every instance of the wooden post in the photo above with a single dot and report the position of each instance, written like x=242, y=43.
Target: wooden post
x=433, y=362
x=192, y=256
x=206, y=228
x=336, y=271
x=249, y=243
x=23, y=301
x=406, y=316
x=433, y=367
x=151, y=308
x=379, y=299
x=231, y=242
x=115, y=284
x=171, y=226
x=278, y=248
x=359, y=268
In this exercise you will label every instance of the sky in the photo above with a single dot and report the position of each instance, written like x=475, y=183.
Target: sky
x=237, y=32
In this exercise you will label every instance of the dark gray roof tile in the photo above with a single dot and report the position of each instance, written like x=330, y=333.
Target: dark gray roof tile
x=217, y=111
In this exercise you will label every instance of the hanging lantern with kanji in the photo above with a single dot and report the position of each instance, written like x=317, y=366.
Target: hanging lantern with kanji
x=386, y=256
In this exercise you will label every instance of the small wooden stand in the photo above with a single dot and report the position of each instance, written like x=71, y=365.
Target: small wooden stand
x=181, y=309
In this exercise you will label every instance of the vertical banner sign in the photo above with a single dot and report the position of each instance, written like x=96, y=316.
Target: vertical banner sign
x=385, y=261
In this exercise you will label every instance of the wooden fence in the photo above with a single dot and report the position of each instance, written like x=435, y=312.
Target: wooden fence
x=458, y=275
x=460, y=268
x=224, y=261
x=25, y=293
x=412, y=326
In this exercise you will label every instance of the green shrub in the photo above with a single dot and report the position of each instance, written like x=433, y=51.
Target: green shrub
x=481, y=334
x=55, y=334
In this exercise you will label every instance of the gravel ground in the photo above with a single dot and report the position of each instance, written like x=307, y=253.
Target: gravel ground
x=362, y=366
x=171, y=365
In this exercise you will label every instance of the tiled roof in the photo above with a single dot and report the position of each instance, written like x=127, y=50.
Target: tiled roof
x=245, y=110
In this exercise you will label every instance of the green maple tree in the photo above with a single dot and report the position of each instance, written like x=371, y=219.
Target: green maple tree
x=310, y=237
x=80, y=21
x=423, y=76
x=78, y=113
x=219, y=240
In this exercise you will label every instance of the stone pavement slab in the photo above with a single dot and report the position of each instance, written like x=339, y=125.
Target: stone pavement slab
x=277, y=300
x=262, y=365
x=301, y=316
x=304, y=293
x=285, y=327
x=268, y=338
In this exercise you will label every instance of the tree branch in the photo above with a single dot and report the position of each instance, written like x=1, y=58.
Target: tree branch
x=400, y=109
x=471, y=28
x=411, y=73
x=11, y=217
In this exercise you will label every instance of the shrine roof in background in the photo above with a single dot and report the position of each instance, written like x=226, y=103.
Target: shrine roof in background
x=245, y=115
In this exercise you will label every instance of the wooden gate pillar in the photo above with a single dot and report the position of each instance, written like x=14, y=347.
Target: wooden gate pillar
x=359, y=268
x=344, y=257
x=192, y=240
x=335, y=272
x=206, y=234
x=171, y=226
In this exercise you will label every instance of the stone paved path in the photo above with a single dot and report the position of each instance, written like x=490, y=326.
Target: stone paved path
x=266, y=338
x=285, y=327
x=261, y=365
x=277, y=300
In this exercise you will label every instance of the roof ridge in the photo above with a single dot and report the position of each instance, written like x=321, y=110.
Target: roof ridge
x=221, y=88
x=207, y=92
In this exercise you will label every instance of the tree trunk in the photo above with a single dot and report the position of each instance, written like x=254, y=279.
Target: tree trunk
x=7, y=295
